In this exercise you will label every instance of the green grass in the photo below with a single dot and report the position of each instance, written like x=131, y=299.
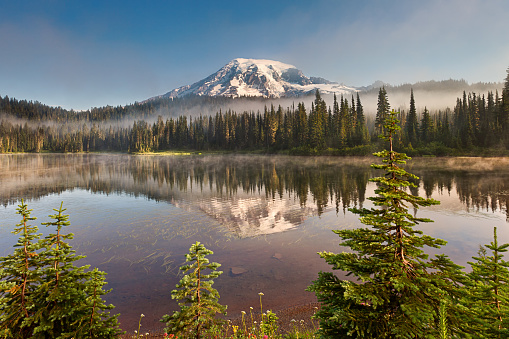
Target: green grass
x=251, y=324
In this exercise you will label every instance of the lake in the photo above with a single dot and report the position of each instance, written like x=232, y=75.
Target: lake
x=265, y=217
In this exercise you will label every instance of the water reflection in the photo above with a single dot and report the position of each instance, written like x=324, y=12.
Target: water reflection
x=136, y=216
x=249, y=194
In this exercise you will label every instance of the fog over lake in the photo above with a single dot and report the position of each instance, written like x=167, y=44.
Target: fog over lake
x=265, y=217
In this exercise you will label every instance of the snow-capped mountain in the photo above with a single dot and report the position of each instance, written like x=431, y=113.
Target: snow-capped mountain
x=259, y=78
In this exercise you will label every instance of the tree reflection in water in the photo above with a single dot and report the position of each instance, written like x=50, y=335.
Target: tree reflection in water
x=238, y=206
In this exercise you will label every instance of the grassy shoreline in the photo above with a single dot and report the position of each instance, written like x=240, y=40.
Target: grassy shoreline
x=367, y=150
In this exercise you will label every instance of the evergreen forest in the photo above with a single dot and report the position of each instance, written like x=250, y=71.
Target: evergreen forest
x=478, y=124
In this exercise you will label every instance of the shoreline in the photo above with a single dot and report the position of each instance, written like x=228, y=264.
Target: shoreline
x=359, y=151
x=300, y=314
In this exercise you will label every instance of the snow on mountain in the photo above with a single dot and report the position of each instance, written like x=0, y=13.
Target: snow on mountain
x=259, y=78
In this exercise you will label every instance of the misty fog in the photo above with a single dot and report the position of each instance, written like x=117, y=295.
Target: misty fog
x=432, y=95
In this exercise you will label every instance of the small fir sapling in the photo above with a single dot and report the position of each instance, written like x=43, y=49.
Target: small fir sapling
x=197, y=299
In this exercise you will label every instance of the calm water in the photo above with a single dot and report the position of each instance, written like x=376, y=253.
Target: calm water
x=264, y=217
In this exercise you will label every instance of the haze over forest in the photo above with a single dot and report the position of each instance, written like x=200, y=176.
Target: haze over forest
x=77, y=78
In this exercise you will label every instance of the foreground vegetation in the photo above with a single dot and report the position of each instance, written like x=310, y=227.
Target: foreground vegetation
x=394, y=290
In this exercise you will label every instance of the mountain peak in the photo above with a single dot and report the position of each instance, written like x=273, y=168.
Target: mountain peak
x=245, y=64
x=258, y=78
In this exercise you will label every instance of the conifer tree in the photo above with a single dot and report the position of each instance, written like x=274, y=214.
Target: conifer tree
x=394, y=291
x=489, y=294
x=382, y=111
x=198, y=300
x=336, y=123
x=361, y=130
x=412, y=126
x=317, y=123
x=19, y=278
x=504, y=109
x=426, y=128
x=44, y=295
x=71, y=302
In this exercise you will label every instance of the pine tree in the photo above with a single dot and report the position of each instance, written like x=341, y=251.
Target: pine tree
x=198, y=300
x=412, y=126
x=70, y=297
x=382, y=111
x=395, y=292
x=338, y=132
x=427, y=128
x=54, y=298
x=361, y=130
x=302, y=125
x=317, y=123
x=489, y=295
x=504, y=110
x=20, y=275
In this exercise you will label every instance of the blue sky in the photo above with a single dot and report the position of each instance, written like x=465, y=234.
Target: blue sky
x=83, y=54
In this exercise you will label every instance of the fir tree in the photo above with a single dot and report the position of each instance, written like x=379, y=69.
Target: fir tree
x=338, y=132
x=70, y=297
x=412, y=126
x=489, y=295
x=198, y=300
x=302, y=125
x=317, y=123
x=361, y=131
x=426, y=128
x=19, y=278
x=504, y=110
x=382, y=111
x=395, y=292
x=43, y=295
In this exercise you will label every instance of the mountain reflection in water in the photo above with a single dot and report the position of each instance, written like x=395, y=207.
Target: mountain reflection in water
x=264, y=216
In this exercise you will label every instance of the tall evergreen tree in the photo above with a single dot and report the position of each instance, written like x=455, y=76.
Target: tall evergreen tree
x=302, y=125
x=504, y=109
x=336, y=123
x=317, y=117
x=361, y=130
x=395, y=292
x=427, y=127
x=412, y=125
x=382, y=111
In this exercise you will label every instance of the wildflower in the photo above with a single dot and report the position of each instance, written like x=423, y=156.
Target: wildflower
x=265, y=337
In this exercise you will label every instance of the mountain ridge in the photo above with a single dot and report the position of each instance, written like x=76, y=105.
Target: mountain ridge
x=258, y=78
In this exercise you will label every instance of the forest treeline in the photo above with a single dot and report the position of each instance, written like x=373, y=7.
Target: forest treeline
x=477, y=121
